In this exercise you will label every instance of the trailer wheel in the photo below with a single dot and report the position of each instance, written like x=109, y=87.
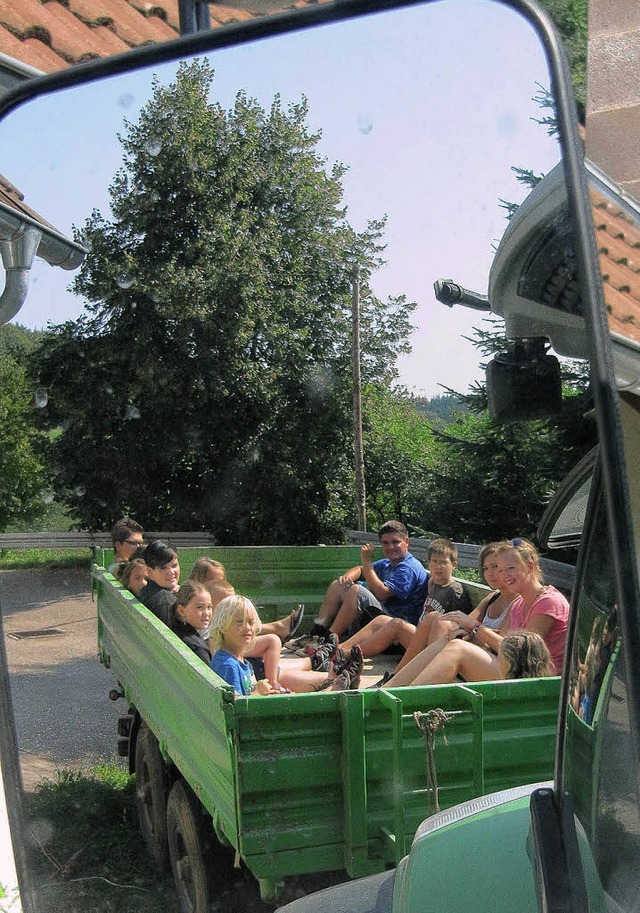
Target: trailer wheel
x=151, y=795
x=187, y=850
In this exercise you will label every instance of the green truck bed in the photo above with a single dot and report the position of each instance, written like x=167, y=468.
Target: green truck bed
x=319, y=782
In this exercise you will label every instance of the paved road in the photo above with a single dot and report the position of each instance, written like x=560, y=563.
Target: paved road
x=64, y=717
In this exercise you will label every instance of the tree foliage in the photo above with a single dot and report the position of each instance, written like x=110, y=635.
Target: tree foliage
x=217, y=342
x=21, y=467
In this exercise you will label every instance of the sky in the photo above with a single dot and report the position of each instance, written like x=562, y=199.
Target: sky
x=430, y=107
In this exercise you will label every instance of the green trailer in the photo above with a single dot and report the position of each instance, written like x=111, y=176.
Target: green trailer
x=302, y=783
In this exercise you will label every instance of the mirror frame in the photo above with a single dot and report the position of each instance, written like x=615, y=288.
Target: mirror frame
x=603, y=379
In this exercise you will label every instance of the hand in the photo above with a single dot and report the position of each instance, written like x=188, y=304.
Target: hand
x=454, y=633
x=345, y=582
x=366, y=554
x=462, y=620
x=264, y=687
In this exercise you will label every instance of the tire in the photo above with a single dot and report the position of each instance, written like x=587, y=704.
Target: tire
x=151, y=796
x=187, y=850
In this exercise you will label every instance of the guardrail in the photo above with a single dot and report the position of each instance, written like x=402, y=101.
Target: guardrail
x=94, y=540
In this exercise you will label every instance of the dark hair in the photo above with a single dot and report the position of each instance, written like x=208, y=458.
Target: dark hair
x=442, y=547
x=393, y=526
x=157, y=554
x=121, y=530
x=488, y=549
x=184, y=596
x=125, y=568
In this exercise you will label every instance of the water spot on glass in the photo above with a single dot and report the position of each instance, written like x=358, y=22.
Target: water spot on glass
x=131, y=412
x=80, y=353
x=125, y=281
x=365, y=124
x=80, y=491
x=41, y=397
x=154, y=196
x=108, y=389
x=47, y=497
x=133, y=305
x=153, y=145
x=125, y=100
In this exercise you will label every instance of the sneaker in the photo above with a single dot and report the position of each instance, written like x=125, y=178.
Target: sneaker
x=303, y=645
x=354, y=666
x=341, y=682
x=325, y=654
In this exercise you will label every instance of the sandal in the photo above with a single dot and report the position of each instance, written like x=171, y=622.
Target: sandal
x=296, y=620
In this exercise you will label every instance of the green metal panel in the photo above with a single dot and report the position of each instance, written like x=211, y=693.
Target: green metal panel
x=314, y=782
x=175, y=693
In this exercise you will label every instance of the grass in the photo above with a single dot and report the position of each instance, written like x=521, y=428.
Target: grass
x=51, y=558
x=87, y=853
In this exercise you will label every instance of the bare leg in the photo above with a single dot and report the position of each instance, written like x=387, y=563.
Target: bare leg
x=282, y=627
x=381, y=633
x=267, y=648
x=420, y=640
x=460, y=658
x=332, y=602
x=299, y=680
x=348, y=612
x=414, y=667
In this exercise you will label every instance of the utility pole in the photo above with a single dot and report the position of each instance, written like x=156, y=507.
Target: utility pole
x=361, y=498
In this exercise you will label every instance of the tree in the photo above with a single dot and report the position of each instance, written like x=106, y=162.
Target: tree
x=21, y=468
x=493, y=481
x=217, y=334
x=399, y=456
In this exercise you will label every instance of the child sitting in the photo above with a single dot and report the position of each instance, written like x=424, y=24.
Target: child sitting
x=190, y=613
x=234, y=629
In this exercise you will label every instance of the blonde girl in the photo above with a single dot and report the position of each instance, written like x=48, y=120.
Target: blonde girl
x=234, y=629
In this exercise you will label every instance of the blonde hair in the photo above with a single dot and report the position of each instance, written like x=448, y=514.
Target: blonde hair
x=202, y=566
x=219, y=590
x=225, y=613
x=184, y=596
x=527, y=655
x=525, y=551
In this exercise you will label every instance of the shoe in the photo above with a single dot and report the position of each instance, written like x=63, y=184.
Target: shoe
x=296, y=620
x=299, y=646
x=341, y=682
x=353, y=666
x=382, y=681
x=325, y=652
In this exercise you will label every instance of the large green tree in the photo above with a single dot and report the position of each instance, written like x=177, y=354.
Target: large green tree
x=22, y=471
x=215, y=354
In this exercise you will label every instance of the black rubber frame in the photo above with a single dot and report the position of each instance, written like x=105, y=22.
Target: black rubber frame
x=605, y=394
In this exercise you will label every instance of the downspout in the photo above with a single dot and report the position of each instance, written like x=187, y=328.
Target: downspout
x=17, y=259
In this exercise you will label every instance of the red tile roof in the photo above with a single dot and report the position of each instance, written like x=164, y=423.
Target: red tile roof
x=618, y=239
x=52, y=34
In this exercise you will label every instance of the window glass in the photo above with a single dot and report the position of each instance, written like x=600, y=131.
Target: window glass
x=599, y=767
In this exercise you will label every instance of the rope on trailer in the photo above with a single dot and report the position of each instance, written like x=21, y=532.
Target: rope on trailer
x=430, y=724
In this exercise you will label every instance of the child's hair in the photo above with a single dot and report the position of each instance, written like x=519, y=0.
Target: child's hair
x=225, y=614
x=219, y=590
x=157, y=554
x=202, y=566
x=442, y=547
x=184, y=596
x=527, y=655
x=525, y=551
x=489, y=549
x=125, y=568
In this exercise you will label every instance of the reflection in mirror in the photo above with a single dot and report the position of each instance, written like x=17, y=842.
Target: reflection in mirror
x=223, y=204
